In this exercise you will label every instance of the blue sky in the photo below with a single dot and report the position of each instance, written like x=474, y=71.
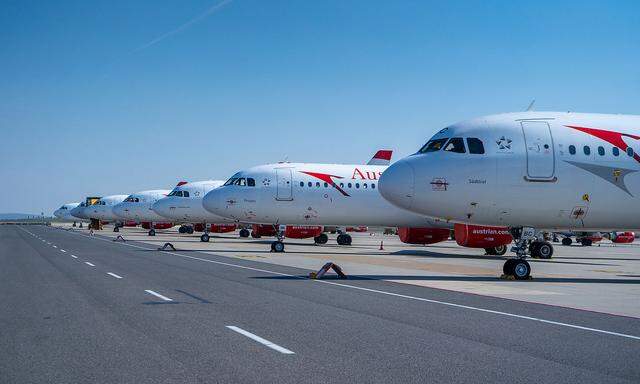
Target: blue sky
x=102, y=98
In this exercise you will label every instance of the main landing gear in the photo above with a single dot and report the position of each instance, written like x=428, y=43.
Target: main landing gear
x=204, y=237
x=566, y=241
x=526, y=242
x=185, y=229
x=152, y=232
x=321, y=239
x=344, y=239
x=498, y=251
x=244, y=232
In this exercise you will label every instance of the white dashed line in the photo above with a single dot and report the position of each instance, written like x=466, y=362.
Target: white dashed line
x=114, y=275
x=88, y=263
x=156, y=294
x=260, y=340
x=74, y=256
x=54, y=246
x=62, y=250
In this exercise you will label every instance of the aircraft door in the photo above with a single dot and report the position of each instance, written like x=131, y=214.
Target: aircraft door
x=284, y=184
x=540, y=151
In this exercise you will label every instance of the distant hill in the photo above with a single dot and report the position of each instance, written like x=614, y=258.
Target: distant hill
x=17, y=216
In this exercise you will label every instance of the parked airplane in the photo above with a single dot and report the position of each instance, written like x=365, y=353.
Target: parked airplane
x=79, y=211
x=530, y=171
x=64, y=213
x=137, y=206
x=184, y=205
x=314, y=195
x=103, y=209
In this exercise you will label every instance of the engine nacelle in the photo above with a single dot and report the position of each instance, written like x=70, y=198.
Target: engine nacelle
x=302, y=231
x=258, y=230
x=624, y=237
x=130, y=223
x=147, y=225
x=198, y=227
x=222, y=228
x=422, y=235
x=357, y=229
x=480, y=236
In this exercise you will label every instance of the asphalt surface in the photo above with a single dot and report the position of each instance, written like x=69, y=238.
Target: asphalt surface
x=230, y=320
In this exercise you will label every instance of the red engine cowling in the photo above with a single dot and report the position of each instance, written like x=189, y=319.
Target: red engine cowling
x=147, y=225
x=422, y=235
x=624, y=237
x=130, y=224
x=302, y=231
x=357, y=229
x=480, y=236
x=263, y=230
x=198, y=227
x=222, y=228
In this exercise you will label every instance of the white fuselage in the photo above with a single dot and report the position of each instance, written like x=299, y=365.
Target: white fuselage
x=184, y=204
x=548, y=170
x=64, y=213
x=309, y=194
x=103, y=208
x=137, y=206
x=79, y=211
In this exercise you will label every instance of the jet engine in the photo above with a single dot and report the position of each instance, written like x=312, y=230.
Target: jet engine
x=493, y=239
x=222, y=228
x=422, y=235
x=302, y=231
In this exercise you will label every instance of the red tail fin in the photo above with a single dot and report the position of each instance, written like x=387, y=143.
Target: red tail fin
x=382, y=157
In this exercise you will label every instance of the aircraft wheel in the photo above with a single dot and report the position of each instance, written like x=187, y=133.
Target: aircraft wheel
x=80, y=225
x=507, y=268
x=74, y=223
x=500, y=250
x=152, y=232
x=521, y=269
x=204, y=238
x=181, y=229
x=116, y=229
x=189, y=230
x=586, y=242
x=277, y=246
x=321, y=239
x=490, y=251
x=545, y=250
x=347, y=239
x=534, y=248
x=567, y=241
x=244, y=232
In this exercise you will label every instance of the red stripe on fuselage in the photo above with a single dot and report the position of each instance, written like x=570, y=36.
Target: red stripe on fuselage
x=327, y=178
x=611, y=137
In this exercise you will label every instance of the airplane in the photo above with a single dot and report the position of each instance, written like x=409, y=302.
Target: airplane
x=102, y=210
x=529, y=171
x=137, y=206
x=64, y=213
x=79, y=212
x=307, y=196
x=184, y=205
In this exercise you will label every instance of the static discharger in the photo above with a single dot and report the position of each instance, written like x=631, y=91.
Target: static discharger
x=119, y=238
x=325, y=268
x=167, y=246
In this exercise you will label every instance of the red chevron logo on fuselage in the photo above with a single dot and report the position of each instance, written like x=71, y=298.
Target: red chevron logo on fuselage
x=327, y=178
x=611, y=137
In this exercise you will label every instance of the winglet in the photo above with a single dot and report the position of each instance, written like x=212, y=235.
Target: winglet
x=382, y=157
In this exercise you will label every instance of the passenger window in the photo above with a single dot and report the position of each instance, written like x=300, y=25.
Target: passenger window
x=601, y=151
x=615, y=151
x=326, y=185
x=302, y=183
x=349, y=185
x=341, y=185
x=630, y=151
x=364, y=185
x=572, y=149
x=310, y=184
x=373, y=186
x=586, y=150
x=317, y=184
x=186, y=193
x=455, y=145
x=251, y=182
x=433, y=145
x=357, y=185
x=475, y=146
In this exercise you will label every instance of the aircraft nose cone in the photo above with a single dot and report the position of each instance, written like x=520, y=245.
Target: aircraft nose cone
x=397, y=184
x=213, y=202
x=77, y=212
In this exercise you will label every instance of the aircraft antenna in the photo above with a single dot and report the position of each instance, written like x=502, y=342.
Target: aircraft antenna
x=530, y=107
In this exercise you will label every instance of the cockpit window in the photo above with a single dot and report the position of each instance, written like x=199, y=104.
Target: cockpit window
x=456, y=145
x=251, y=182
x=230, y=181
x=475, y=145
x=175, y=193
x=433, y=145
x=185, y=193
x=241, y=182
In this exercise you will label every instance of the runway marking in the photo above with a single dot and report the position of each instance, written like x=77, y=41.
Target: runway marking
x=449, y=304
x=62, y=250
x=74, y=256
x=54, y=246
x=156, y=294
x=260, y=340
x=88, y=263
x=114, y=275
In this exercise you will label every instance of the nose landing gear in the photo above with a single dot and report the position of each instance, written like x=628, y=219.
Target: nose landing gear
x=526, y=242
x=321, y=239
x=244, y=232
x=152, y=232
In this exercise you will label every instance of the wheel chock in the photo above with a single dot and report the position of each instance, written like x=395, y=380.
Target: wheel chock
x=167, y=246
x=120, y=238
x=325, y=268
x=511, y=277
